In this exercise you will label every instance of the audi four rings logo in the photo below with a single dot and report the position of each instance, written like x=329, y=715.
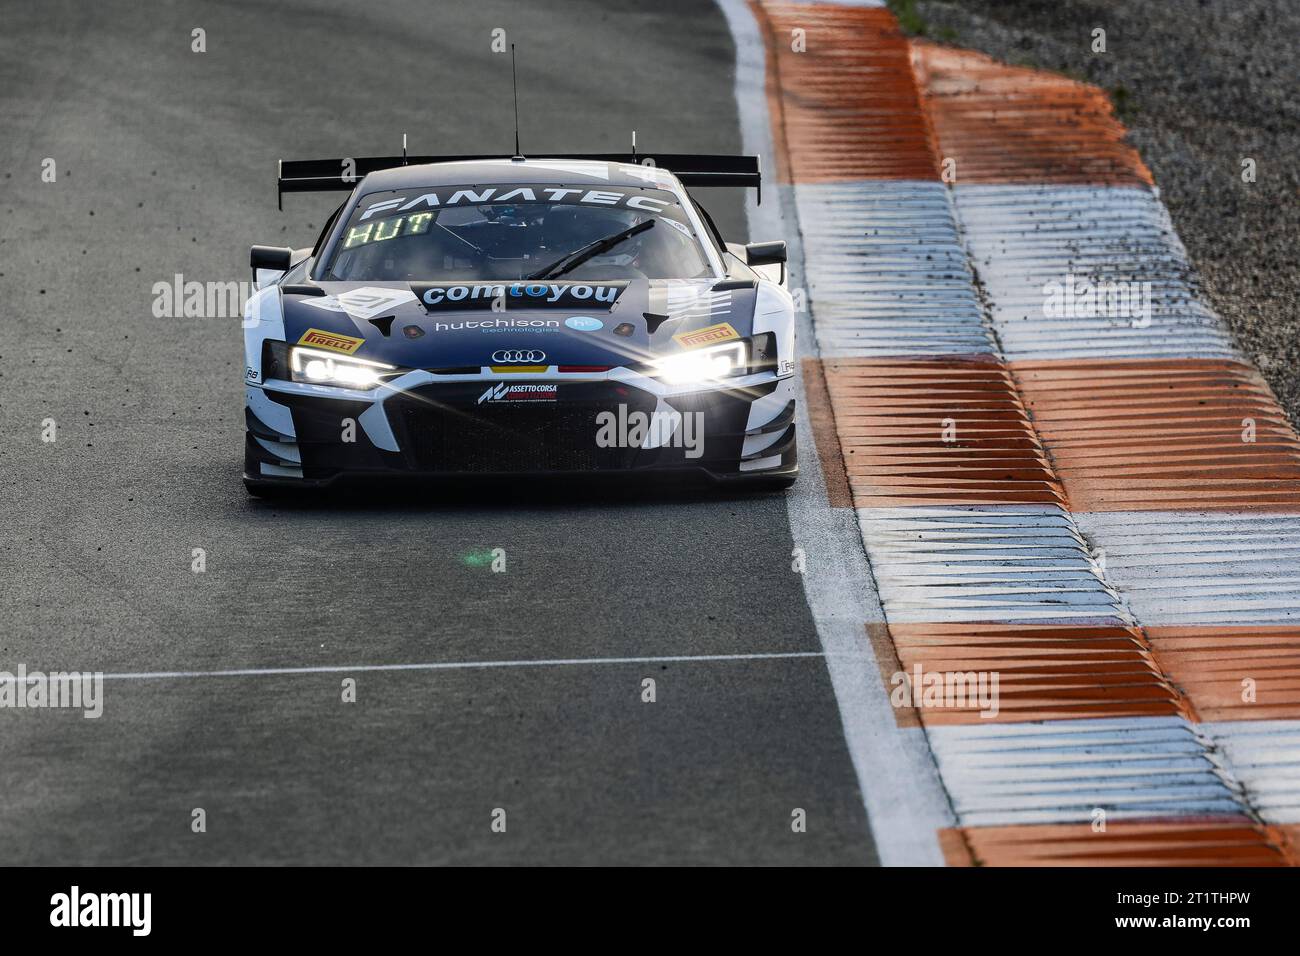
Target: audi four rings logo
x=518, y=357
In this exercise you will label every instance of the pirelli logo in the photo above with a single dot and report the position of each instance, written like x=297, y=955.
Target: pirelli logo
x=320, y=339
x=706, y=336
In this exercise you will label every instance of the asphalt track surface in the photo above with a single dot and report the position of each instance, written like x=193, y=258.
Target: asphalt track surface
x=166, y=165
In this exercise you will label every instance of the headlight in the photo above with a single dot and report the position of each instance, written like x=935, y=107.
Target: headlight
x=702, y=365
x=327, y=368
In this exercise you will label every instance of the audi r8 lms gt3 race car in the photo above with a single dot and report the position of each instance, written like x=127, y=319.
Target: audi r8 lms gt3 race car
x=508, y=316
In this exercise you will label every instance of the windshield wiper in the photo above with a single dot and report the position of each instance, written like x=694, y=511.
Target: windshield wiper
x=456, y=235
x=576, y=258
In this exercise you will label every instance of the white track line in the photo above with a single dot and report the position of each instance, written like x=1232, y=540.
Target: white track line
x=905, y=801
x=464, y=665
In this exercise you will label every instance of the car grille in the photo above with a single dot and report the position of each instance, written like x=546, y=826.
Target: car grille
x=524, y=437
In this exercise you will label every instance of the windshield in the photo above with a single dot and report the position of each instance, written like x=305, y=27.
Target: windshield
x=512, y=232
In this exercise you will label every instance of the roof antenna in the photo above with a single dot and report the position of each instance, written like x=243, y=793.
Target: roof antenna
x=403, y=149
x=634, y=159
x=514, y=82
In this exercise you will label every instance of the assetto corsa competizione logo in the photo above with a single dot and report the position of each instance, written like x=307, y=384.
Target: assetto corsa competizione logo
x=505, y=392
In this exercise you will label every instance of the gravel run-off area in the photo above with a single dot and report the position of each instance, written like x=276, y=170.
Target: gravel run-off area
x=1201, y=85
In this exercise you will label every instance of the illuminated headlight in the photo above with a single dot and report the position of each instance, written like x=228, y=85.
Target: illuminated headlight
x=703, y=365
x=327, y=368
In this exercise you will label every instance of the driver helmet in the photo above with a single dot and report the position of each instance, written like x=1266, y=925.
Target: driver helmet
x=511, y=215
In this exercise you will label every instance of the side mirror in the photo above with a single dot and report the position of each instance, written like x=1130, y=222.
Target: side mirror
x=765, y=253
x=759, y=254
x=269, y=263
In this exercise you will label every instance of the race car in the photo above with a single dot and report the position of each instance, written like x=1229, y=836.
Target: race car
x=501, y=316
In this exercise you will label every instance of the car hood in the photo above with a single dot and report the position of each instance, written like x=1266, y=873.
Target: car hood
x=470, y=325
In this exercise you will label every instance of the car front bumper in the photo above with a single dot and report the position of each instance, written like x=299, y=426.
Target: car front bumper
x=446, y=426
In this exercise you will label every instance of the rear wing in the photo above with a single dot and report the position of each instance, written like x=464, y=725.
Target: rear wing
x=693, y=169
